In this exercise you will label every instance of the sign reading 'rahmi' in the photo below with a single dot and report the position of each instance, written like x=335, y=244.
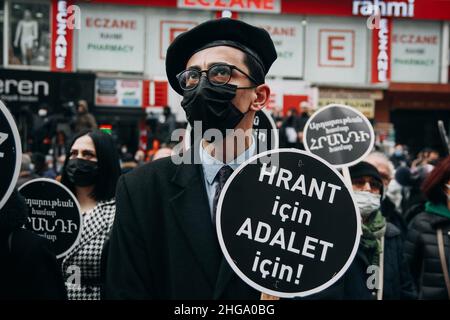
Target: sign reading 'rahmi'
x=265, y=6
x=402, y=8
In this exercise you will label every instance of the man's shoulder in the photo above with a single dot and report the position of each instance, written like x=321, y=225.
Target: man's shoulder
x=162, y=166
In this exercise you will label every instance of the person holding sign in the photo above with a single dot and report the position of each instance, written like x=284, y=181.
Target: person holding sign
x=164, y=244
x=91, y=171
x=378, y=270
x=381, y=247
x=28, y=268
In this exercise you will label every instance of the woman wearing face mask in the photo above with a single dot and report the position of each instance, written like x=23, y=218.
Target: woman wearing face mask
x=91, y=171
x=381, y=246
x=427, y=247
x=378, y=270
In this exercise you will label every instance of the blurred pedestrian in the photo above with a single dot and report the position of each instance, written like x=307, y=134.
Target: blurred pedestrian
x=288, y=130
x=427, y=246
x=168, y=126
x=392, y=192
x=305, y=110
x=26, y=171
x=84, y=119
x=41, y=165
x=399, y=156
x=127, y=163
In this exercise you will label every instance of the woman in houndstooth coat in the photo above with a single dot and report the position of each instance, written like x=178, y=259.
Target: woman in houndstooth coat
x=91, y=171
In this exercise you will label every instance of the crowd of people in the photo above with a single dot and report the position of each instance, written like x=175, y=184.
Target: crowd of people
x=147, y=230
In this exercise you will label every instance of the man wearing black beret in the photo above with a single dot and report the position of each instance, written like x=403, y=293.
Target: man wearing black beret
x=164, y=244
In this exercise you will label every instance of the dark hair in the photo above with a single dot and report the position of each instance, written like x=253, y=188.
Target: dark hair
x=433, y=186
x=255, y=70
x=108, y=165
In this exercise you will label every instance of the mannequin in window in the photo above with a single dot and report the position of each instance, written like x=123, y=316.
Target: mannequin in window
x=27, y=34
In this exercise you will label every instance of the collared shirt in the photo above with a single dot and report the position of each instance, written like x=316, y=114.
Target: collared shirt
x=211, y=167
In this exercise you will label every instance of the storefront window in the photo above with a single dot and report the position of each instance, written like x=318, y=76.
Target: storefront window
x=29, y=36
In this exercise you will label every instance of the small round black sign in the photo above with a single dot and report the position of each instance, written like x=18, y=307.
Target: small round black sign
x=340, y=134
x=54, y=214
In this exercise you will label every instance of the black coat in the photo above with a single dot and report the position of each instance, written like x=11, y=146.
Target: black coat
x=163, y=244
x=397, y=281
x=422, y=253
x=28, y=270
x=388, y=210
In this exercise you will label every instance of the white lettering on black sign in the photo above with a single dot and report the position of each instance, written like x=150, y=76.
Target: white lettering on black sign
x=54, y=214
x=339, y=134
x=288, y=229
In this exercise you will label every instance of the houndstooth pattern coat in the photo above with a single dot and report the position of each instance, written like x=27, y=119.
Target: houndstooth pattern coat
x=82, y=266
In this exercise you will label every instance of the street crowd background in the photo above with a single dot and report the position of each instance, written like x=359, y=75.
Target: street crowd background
x=111, y=102
x=410, y=182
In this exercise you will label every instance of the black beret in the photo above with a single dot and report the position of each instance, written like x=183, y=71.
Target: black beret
x=224, y=31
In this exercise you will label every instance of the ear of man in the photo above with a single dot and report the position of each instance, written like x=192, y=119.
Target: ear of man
x=261, y=97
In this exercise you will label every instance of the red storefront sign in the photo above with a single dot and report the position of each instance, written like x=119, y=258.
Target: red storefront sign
x=381, y=51
x=62, y=36
x=155, y=93
x=264, y=6
x=422, y=9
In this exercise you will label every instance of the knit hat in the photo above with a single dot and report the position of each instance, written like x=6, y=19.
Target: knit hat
x=365, y=169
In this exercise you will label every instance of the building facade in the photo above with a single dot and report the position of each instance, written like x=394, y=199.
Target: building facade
x=389, y=59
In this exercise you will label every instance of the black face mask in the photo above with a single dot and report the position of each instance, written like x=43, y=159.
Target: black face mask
x=82, y=173
x=212, y=106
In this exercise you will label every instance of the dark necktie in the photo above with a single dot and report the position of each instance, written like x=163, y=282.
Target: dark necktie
x=221, y=177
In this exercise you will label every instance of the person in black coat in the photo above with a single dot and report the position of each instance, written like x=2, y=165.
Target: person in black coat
x=28, y=268
x=421, y=246
x=378, y=270
x=163, y=243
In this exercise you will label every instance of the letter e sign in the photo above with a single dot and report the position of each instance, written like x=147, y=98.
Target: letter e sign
x=336, y=48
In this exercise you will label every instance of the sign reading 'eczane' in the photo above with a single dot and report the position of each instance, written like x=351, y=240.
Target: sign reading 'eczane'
x=339, y=134
x=10, y=154
x=288, y=228
x=54, y=214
